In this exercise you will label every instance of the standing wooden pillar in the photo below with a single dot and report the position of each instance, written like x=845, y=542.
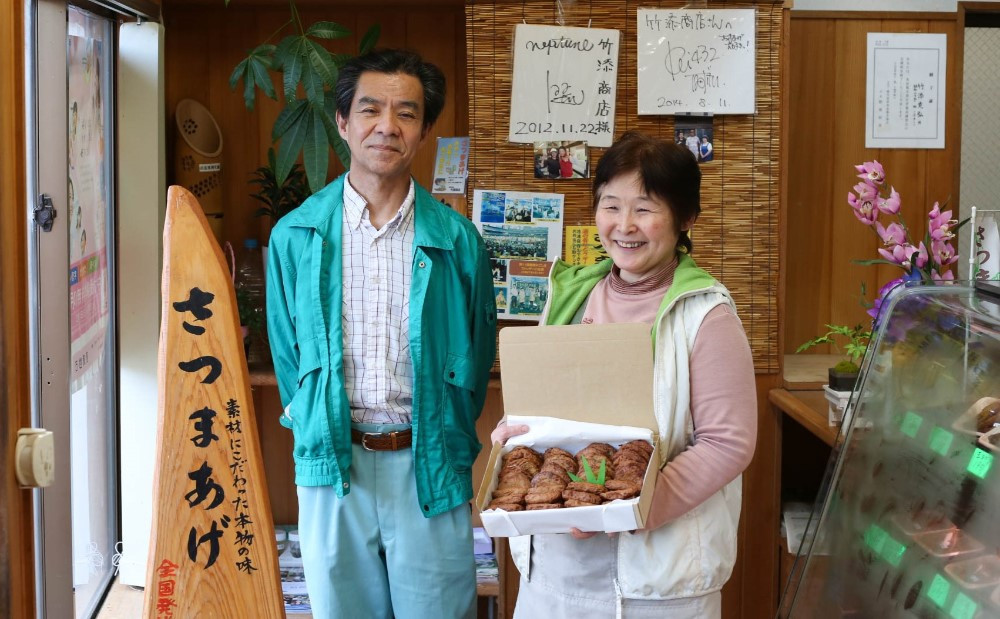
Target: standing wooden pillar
x=212, y=547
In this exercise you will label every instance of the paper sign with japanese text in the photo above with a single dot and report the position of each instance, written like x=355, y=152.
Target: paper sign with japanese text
x=451, y=165
x=564, y=84
x=696, y=61
x=906, y=90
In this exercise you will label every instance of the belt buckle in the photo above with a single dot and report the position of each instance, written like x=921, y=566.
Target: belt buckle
x=364, y=440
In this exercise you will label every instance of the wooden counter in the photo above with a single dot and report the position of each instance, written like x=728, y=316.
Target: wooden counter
x=809, y=409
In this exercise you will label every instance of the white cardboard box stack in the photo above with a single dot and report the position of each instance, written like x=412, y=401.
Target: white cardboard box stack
x=577, y=384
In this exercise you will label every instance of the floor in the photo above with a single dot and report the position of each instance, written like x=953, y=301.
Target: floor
x=123, y=602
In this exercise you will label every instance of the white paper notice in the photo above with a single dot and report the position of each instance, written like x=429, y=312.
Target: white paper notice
x=564, y=84
x=905, y=94
x=696, y=61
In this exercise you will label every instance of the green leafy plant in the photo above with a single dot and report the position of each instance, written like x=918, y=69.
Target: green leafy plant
x=589, y=473
x=278, y=198
x=250, y=318
x=857, y=338
x=307, y=125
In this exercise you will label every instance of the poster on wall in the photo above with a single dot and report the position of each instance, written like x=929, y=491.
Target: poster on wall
x=88, y=197
x=523, y=234
x=583, y=246
x=695, y=61
x=564, y=84
x=904, y=106
x=451, y=165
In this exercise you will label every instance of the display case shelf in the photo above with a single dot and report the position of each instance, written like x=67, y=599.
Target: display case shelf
x=907, y=524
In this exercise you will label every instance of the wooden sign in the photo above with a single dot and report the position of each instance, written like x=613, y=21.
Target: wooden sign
x=212, y=548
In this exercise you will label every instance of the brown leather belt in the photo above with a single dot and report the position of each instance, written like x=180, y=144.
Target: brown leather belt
x=389, y=441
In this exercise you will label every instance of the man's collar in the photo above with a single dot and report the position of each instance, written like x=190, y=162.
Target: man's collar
x=355, y=203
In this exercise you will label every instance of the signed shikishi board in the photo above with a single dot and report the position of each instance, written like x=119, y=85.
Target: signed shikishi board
x=212, y=550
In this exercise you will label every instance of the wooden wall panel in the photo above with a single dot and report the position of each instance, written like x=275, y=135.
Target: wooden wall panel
x=827, y=117
x=16, y=553
x=205, y=42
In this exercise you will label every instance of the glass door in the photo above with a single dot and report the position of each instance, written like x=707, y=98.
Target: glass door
x=89, y=56
x=74, y=325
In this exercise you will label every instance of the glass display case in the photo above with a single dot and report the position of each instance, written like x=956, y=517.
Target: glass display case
x=909, y=525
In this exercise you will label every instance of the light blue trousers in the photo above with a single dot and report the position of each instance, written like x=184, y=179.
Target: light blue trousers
x=373, y=554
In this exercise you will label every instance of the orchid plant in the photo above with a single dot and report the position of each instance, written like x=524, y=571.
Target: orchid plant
x=929, y=260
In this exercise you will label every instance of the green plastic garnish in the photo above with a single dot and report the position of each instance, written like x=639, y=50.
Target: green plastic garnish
x=594, y=479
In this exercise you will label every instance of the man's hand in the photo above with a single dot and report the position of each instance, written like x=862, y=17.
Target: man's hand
x=502, y=433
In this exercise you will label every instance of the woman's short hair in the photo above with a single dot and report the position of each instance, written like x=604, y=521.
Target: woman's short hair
x=392, y=61
x=666, y=170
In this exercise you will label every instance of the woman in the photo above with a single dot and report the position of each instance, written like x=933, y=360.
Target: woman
x=706, y=150
x=646, y=194
x=565, y=164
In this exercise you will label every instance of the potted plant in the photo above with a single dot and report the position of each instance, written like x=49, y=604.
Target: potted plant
x=251, y=320
x=844, y=375
x=929, y=261
x=307, y=125
x=278, y=198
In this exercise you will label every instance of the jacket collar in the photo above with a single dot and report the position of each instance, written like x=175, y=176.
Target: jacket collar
x=431, y=226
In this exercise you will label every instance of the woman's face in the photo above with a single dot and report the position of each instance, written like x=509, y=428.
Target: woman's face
x=636, y=229
x=562, y=152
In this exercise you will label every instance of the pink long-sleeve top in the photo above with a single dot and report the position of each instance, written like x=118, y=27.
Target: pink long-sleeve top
x=723, y=393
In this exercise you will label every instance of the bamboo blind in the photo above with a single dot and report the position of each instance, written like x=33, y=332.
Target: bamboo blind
x=736, y=237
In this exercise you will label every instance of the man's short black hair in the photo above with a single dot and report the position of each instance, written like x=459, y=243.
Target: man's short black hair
x=391, y=61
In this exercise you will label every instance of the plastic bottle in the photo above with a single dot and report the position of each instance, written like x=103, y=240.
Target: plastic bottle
x=250, y=292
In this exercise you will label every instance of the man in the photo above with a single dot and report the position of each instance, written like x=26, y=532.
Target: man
x=552, y=163
x=693, y=144
x=382, y=324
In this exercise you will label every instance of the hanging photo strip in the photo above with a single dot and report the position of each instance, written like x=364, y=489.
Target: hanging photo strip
x=564, y=84
x=696, y=61
x=523, y=234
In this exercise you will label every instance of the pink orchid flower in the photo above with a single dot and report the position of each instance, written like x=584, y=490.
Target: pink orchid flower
x=871, y=172
x=939, y=224
x=893, y=234
x=864, y=210
x=944, y=252
x=947, y=276
x=865, y=191
x=921, y=252
x=890, y=205
x=896, y=254
x=903, y=255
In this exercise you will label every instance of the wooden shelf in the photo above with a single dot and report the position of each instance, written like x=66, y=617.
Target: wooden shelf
x=807, y=372
x=809, y=408
x=488, y=589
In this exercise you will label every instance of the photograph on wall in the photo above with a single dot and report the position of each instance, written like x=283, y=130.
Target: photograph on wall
x=695, y=134
x=523, y=235
x=561, y=160
x=528, y=289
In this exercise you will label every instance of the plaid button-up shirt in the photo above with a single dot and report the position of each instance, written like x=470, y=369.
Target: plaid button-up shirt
x=378, y=265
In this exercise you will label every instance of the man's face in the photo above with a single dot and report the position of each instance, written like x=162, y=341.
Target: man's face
x=384, y=128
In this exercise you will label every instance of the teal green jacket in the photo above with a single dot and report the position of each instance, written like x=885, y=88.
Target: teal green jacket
x=452, y=344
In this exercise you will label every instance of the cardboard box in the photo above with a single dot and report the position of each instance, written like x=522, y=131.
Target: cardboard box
x=575, y=385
